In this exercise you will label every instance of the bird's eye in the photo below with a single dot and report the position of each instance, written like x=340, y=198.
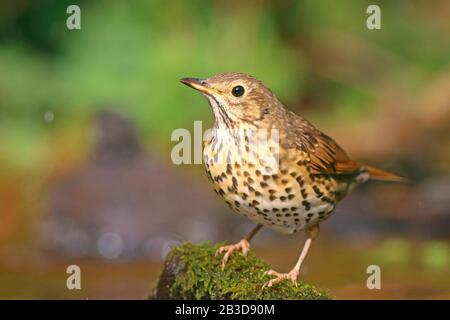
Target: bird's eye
x=238, y=91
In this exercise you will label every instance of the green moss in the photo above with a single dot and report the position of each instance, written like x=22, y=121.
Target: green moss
x=196, y=273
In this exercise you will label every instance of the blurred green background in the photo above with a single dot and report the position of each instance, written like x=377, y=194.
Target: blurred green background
x=384, y=95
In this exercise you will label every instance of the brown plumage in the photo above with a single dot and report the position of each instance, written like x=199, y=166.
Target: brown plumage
x=293, y=182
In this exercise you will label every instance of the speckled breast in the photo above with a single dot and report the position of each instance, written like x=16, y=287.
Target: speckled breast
x=274, y=189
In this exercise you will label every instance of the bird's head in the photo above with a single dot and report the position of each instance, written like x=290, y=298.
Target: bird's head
x=235, y=97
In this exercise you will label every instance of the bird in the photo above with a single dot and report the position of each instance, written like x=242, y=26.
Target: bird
x=272, y=166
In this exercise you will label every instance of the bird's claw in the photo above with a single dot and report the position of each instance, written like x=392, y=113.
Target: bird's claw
x=242, y=245
x=292, y=275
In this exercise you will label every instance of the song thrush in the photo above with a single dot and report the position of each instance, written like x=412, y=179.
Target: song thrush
x=294, y=184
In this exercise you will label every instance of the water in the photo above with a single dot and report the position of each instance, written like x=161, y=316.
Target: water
x=339, y=267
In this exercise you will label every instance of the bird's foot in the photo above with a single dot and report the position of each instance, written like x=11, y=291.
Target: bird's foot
x=291, y=275
x=242, y=245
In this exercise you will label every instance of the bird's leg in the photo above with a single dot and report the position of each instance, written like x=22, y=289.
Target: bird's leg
x=292, y=275
x=243, y=245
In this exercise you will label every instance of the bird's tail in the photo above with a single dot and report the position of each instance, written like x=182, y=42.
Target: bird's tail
x=381, y=175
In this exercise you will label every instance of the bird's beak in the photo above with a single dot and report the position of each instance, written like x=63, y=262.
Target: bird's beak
x=198, y=84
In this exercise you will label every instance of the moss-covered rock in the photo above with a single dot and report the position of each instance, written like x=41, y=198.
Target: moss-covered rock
x=192, y=271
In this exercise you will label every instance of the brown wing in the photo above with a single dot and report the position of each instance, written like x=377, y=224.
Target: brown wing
x=326, y=156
